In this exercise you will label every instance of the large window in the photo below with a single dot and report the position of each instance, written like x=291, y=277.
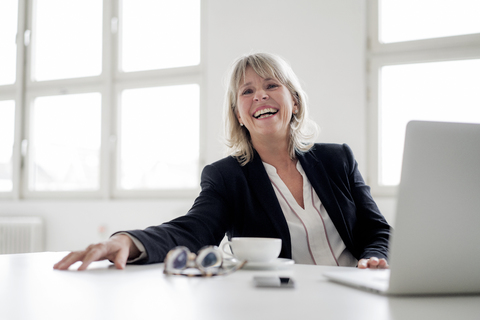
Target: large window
x=64, y=151
x=8, y=32
x=424, y=64
x=99, y=98
x=168, y=156
x=78, y=26
x=7, y=120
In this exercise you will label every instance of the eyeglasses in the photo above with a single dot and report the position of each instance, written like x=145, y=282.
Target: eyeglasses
x=206, y=263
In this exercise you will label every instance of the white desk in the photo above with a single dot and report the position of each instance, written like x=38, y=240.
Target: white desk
x=31, y=289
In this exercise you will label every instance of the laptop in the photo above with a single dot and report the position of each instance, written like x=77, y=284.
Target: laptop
x=435, y=245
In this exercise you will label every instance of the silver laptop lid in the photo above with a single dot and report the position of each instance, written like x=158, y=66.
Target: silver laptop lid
x=435, y=247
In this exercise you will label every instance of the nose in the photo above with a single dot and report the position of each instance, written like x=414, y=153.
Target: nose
x=260, y=95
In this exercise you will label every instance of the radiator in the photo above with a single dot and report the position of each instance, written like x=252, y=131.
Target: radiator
x=21, y=235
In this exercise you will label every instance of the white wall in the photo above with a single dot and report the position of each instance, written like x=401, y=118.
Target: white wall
x=324, y=41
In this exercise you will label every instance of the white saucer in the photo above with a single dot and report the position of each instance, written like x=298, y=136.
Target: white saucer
x=280, y=263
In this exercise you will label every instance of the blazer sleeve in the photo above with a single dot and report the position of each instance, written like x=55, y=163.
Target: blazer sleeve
x=371, y=231
x=204, y=224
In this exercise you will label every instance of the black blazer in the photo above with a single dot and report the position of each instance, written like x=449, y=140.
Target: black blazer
x=240, y=201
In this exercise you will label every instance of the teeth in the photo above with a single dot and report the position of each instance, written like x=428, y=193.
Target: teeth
x=264, y=116
x=262, y=113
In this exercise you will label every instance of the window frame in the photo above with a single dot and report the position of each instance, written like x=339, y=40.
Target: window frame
x=379, y=55
x=109, y=84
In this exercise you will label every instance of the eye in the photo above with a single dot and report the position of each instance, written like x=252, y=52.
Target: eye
x=272, y=86
x=247, y=91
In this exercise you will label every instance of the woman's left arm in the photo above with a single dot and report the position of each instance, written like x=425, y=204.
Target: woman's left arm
x=371, y=231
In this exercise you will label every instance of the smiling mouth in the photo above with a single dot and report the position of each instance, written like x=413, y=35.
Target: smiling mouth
x=264, y=113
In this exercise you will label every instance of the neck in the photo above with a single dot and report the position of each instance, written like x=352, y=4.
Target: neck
x=274, y=153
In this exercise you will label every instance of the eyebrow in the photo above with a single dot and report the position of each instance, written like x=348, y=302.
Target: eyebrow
x=249, y=83
x=244, y=85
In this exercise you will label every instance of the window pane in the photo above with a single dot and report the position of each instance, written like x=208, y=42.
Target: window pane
x=158, y=34
x=7, y=121
x=159, y=138
x=438, y=91
x=8, y=48
x=413, y=19
x=67, y=39
x=65, y=143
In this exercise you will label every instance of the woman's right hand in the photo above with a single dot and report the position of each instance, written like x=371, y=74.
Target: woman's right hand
x=118, y=249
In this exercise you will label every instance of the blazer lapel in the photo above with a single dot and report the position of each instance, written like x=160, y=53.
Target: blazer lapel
x=261, y=187
x=320, y=181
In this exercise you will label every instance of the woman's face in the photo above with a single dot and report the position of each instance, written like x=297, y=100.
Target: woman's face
x=264, y=106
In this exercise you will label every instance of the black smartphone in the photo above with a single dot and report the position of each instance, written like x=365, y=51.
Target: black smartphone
x=273, y=282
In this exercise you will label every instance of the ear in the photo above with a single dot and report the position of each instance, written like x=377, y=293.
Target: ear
x=295, y=98
x=239, y=118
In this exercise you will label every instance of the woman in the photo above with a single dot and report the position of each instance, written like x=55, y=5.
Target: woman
x=276, y=183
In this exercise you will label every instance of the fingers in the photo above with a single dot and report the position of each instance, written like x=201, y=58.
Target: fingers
x=112, y=249
x=383, y=264
x=373, y=263
x=87, y=256
x=126, y=249
x=120, y=259
x=68, y=260
x=95, y=252
x=362, y=264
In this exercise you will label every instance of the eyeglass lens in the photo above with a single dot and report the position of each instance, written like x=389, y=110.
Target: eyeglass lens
x=209, y=260
x=180, y=260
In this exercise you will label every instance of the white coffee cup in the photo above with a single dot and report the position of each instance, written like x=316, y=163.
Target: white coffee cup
x=254, y=249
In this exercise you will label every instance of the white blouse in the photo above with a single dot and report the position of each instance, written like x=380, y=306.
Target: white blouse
x=315, y=240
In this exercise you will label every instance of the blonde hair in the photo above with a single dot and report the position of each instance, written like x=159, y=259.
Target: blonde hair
x=303, y=130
